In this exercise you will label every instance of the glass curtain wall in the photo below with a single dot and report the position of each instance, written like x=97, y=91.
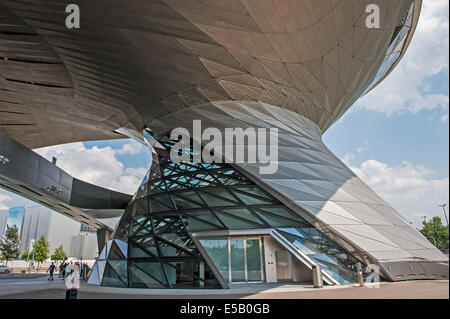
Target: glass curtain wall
x=176, y=199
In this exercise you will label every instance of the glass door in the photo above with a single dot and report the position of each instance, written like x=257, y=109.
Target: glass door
x=237, y=261
x=253, y=255
x=245, y=260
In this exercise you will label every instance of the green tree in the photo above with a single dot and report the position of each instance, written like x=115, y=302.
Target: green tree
x=26, y=255
x=436, y=233
x=9, y=246
x=41, y=250
x=59, y=254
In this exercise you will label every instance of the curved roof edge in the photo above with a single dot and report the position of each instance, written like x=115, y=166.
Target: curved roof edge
x=417, y=10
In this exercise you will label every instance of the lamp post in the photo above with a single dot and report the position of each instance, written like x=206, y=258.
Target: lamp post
x=445, y=214
x=83, y=238
x=30, y=249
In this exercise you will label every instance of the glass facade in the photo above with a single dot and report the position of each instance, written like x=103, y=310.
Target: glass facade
x=153, y=248
x=332, y=258
x=396, y=45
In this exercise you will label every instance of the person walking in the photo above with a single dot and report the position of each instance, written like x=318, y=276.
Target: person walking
x=72, y=285
x=86, y=270
x=69, y=267
x=51, y=270
x=61, y=269
x=76, y=269
x=64, y=270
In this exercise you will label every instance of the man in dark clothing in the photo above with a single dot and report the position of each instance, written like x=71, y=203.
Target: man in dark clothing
x=51, y=270
x=63, y=270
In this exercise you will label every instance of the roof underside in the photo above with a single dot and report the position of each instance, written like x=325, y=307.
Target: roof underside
x=132, y=62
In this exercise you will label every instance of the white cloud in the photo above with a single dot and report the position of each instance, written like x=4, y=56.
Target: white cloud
x=406, y=88
x=98, y=166
x=444, y=118
x=4, y=198
x=409, y=188
x=130, y=148
x=348, y=158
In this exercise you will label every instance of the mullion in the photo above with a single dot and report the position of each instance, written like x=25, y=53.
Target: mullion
x=180, y=194
x=158, y=249
x=262, y=212
x=243, y=219
x=203, y=221
x=176, y=246
x=165, y=285
x=209, y=192
x=245, y=206
x=111, y=267
x=190, y=273
x=243, y=192
x=209, y=208
x=141, y=225
x=139, y=245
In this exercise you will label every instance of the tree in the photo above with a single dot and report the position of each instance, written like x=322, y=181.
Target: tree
x=41, y=250
x=26, y=255
x=59, y=254
x=436, y=233
x=9, y=246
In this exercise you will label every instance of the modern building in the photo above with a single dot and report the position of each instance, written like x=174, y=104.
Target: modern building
x=142, y=68
x=33, y=222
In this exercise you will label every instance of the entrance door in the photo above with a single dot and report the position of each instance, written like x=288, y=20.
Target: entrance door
x=245, y=259
x=239, y=260
x=254, y=260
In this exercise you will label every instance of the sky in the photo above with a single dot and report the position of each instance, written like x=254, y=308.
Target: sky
x=396, y=138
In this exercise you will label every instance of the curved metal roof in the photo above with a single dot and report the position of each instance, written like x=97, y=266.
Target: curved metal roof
x=133, y=62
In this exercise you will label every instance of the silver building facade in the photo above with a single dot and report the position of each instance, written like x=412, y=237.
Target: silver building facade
x=140, y=69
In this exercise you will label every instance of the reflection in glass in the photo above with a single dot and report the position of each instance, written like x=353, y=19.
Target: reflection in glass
x=399, y=36
x=237, y=260
x=333, y=259
x=253, y=260
x=217, y=250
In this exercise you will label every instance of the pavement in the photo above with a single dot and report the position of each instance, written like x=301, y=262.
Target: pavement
x=39, y=288
x=23, y=276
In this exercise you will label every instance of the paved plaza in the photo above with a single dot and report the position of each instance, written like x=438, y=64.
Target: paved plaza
x=37, y=287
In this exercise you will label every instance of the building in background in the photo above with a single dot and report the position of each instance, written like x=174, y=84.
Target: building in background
x=77, y=240
x=15, y=218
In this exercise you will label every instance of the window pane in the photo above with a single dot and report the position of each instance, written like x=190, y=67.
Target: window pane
x=237, y=260
x=217, y=250
x=253, y=260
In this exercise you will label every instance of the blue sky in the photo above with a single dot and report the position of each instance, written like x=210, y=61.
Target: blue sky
x=396, y=138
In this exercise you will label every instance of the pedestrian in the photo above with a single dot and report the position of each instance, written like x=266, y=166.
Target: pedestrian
x=87, y=269
x=60, y=272
x=72, y=284
x=69, y=267
x=76, y=269
x=51, y=270
x=63, y=270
